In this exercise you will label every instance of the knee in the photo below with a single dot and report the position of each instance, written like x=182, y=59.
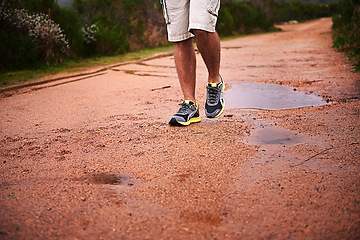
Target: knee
x=184, y=43
x=200, y=34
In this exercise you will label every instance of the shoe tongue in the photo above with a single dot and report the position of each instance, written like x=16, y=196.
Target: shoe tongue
x=213, y=84
x=188, y=102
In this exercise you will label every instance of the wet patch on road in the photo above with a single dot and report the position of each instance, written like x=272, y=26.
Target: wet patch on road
x=108, y=178
x=267, y=96
x=273, y=155
x=275, y=152
x=272, y=135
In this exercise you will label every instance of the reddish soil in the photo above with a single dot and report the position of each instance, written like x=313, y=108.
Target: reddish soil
x=92, y=156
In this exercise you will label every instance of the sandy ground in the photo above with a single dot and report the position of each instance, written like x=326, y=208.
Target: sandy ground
x=92, y=157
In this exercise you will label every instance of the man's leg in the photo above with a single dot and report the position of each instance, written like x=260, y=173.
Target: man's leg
x=185, y=62
x=209, y=47
x=208, y=44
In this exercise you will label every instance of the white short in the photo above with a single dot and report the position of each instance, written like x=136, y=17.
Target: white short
x=182, y=16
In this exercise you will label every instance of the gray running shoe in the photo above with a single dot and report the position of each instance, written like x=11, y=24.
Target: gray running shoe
x=215, y=103
x=188, y=113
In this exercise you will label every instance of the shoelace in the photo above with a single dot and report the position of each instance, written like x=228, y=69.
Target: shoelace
x=184, y=107
x=213, y=92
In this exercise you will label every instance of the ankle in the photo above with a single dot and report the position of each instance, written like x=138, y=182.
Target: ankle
x=214, y=79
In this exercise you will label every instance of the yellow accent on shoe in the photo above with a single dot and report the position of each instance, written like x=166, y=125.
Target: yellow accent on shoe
x=192, y=120
x=213, y=84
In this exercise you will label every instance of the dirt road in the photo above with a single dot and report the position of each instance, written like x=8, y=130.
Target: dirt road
x=92, y=156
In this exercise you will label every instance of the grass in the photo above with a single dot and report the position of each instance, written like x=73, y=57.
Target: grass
x=11, y=78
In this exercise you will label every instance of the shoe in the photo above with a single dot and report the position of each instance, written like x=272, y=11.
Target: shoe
x=215, y=103
x=188, y=113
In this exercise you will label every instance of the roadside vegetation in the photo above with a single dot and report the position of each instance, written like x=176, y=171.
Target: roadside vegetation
x=346, y=29
x=38, y=37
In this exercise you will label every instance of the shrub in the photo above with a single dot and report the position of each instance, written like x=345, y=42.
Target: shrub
x=50, y=41
x=72, y=27
x=108, y=27
x=124, y=25
x=240, y=17
x=18, y=50
x=284, y=11
x=89, y=33
x=107, y=40
x=346, y=26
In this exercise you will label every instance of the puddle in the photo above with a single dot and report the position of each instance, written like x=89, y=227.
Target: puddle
x=110, y=179
x=273, y=144
x=106, y=178
x=272, y=156
x=271, y=136
x=267, y=96
x=202, y=217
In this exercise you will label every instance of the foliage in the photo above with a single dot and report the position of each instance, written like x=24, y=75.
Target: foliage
x=18, y=50
x=299, y=11
x=93, y=28
x=89, y=33
x=239, y=17
x=277, y=11
x=346, y=26
x=259, y=15
x=122, y=25
x=48, y=38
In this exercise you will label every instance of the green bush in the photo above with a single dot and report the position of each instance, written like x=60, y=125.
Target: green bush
x=18, y=51
x=239, y=17
x=124, y=25
x=49, y=42
x=108, y=27
x=71, y=25
x=110, y=40
x=295, y=10
x=346, y=28
x=67, y=19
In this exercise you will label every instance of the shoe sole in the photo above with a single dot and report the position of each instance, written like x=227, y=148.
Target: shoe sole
x=173, y=122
